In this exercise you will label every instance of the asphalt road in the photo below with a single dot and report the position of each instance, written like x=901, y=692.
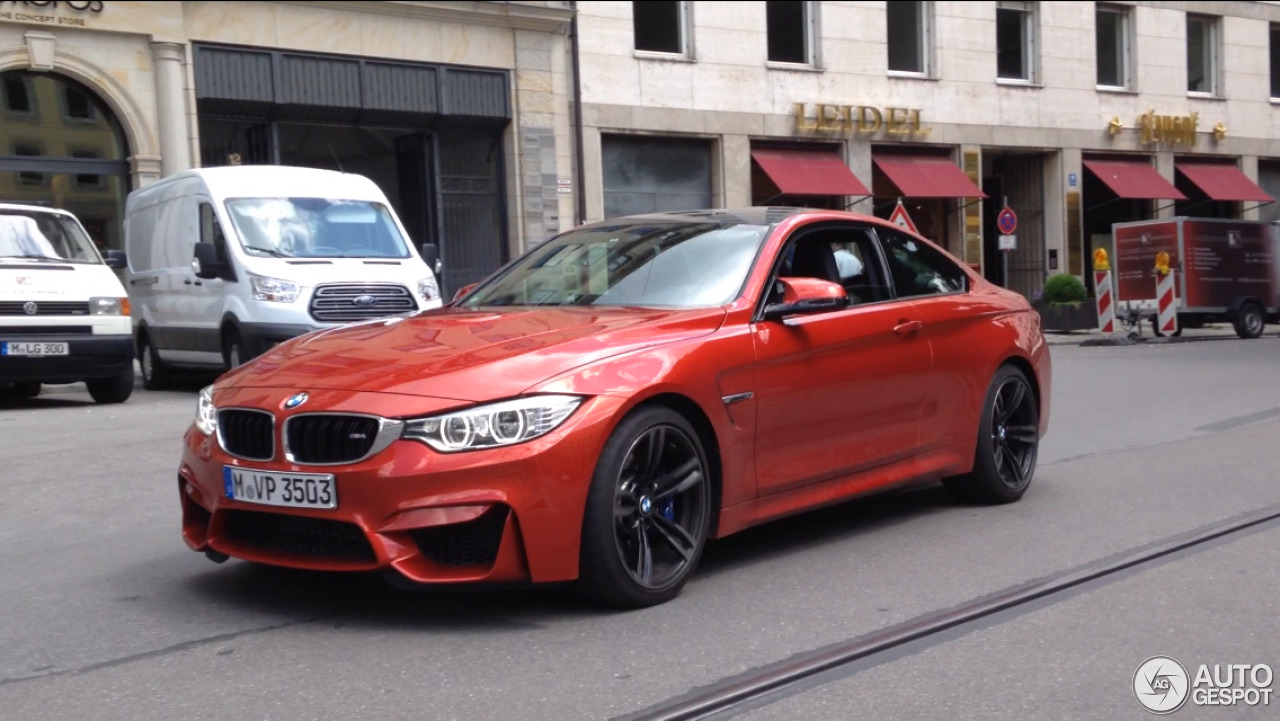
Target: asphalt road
x=108, y=616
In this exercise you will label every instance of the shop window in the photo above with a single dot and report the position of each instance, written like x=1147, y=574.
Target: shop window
x=917, y=269
x=17, y=96
x=652, y=174
x=789, y=27
x=1114, y=62
x=1275, y=60
x=661, y=26
x=77, y=105
x=909, y=36
x=1202, y=54
x=1016, y=40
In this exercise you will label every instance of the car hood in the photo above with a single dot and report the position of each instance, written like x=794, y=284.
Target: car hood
x=466, y=355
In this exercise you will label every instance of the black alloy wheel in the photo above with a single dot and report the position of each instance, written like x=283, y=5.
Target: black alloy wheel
x=1008, y=442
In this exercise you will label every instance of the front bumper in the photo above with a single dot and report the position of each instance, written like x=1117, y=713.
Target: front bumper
x=89, y=356
x=500, y=515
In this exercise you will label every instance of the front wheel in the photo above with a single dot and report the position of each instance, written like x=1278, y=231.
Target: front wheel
x=648, y=511
x=1008, y=442
x=233, y=350
x=112, y=390
x=1250, y=321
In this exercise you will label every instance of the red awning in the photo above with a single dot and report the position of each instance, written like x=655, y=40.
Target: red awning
x=1223, y=182
x=809, y=172
x=918, y=176
x=1133, y=180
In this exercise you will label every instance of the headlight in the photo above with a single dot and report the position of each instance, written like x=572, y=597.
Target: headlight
x=273, y=289
x=428, y=289
x=206, y=414
x=493, y=425
x=108, y=306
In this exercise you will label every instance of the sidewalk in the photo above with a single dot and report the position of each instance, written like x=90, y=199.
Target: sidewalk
x=1218, y=331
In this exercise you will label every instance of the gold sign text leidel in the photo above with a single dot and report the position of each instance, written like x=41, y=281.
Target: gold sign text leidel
x=1173, y=129
x=859, y=119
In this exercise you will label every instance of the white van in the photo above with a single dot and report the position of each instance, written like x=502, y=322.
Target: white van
x=225, y=263
x=64, y=317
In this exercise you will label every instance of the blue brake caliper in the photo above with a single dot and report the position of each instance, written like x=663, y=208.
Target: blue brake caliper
x=668, y=509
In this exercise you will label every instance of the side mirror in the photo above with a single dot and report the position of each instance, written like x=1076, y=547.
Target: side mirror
x=463, y=291
x=806, y=295
x=431, y=256
x=116, y=259
x=206, y=263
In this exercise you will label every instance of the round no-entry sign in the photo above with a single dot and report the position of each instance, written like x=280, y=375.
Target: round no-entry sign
x=1008, y=221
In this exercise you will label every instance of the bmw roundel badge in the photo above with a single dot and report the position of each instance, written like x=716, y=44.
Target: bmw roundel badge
x=296, y=400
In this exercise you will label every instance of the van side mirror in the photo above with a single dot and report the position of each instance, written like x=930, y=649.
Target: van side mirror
x=806, y=295
x=206, y=263
x=116, y=259
x=431, y=256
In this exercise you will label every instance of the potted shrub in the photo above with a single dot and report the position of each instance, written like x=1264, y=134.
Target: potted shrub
x=1064, y=305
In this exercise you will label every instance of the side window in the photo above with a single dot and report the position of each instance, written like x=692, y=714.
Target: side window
x=844, y=255
x=917, y=269
x=211, y=229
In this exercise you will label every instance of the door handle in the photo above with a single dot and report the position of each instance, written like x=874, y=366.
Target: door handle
x=908, y=327
x=188, y=281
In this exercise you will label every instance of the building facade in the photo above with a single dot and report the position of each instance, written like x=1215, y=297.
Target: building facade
x=458, y=110
x=1076, y=115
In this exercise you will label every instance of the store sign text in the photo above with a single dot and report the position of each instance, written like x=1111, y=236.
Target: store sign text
x=1173, y=129
x=859, y=119
x=25, y=12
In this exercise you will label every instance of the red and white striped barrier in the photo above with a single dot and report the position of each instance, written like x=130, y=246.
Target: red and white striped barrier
x=1166, y=304
x=1106, y=308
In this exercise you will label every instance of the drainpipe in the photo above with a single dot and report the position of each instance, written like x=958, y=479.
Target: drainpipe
x=578, y=161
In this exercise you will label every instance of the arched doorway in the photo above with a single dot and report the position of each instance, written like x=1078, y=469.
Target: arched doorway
x=60, y=145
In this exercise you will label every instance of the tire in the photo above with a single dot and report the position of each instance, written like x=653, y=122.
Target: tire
x=1008, y=443
x=155, y=374
x=22, y=390
x=647, y=517
x=1250, y=321
x=112, y=390
x=233, y=349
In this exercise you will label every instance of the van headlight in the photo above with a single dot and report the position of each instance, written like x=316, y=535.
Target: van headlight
x=206, y=414
x=493, y=425
x=108, y=306
x=428, y=289
x=275, y=290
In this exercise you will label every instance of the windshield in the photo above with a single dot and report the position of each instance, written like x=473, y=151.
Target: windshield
x=316, y=228
x=681, y=265
x=44, y=236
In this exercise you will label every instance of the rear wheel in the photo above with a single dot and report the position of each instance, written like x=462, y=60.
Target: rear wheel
x=648, y=511
x=112, y=390
x=155, y=374
x=1008, y=442
x=1250, y=321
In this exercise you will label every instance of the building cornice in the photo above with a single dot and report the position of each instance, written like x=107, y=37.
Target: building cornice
x=496, y=14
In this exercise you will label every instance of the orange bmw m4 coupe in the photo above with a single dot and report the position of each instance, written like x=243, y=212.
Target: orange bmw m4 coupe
x=601, y=407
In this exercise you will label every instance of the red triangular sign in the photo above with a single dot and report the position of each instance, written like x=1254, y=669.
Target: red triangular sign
x=901, y=219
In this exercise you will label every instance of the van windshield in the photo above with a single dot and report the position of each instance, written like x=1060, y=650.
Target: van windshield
x=44, y=236
x=316, y=228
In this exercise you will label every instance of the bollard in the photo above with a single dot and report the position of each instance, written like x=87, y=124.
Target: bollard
x=1102, y=289
x=1166, y=299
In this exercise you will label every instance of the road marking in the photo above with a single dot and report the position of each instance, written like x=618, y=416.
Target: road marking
x=1239, y=421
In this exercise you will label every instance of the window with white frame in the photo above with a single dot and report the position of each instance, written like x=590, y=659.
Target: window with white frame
x=1016, y=40
x=1114, y=46
x=1275, y=60
x=661, y=26
x=1202, y=54
x=790, y=28
x=909, y=37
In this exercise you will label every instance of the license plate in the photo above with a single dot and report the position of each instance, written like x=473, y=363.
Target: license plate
x=34, y=349
x=268, y=488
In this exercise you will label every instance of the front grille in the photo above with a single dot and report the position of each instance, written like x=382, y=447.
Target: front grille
x=474, y=543
x=280, y=533
x=349, y=303
x=247, y=434
x=330, y=438
x=46, y=329
x=44, y=307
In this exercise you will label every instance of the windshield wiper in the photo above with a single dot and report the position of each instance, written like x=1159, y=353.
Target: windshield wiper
x=269, y=251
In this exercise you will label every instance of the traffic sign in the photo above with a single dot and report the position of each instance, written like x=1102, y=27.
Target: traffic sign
x=1007, y=222
x=900, y=218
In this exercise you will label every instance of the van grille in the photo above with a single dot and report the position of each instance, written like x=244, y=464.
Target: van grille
x=347, y=303
x=45, y=307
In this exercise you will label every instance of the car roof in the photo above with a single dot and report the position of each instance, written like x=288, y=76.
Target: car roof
x=756, y=215
x=273, y=181
x=29, y=208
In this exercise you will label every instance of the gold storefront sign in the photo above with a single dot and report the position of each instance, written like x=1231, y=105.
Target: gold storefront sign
x=859, y=119
x=1172, y=129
